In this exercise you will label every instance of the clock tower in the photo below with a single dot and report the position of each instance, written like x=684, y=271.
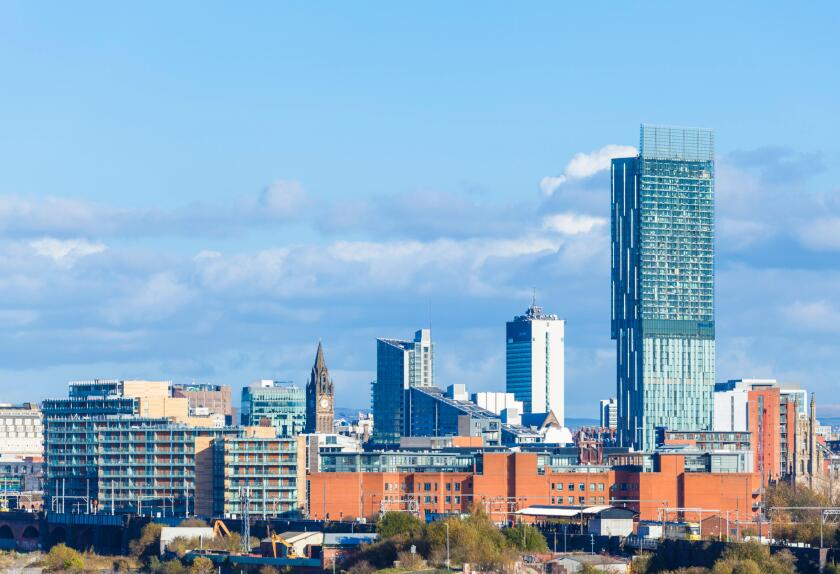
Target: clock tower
x=320, y=409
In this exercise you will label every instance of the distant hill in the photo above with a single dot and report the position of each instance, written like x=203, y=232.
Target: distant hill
x=347, y=413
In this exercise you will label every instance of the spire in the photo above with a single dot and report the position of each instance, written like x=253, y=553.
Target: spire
x=320, y=363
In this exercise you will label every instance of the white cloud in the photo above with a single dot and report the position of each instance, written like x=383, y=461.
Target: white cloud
x=819, y=316
x=283, y=199
x=573, y=223
x=584, y=165
x=158, y=297
x=65, y=251
x=821, y=234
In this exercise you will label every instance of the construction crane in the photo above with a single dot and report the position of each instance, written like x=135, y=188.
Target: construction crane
x=219, y=529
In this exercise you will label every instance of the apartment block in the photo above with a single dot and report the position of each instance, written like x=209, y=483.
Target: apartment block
x=267, y=472
x=21, y=431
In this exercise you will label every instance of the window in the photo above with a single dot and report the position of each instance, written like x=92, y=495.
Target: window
x=457, y=500
x=448, y=500
x=427, y=486
x=600, y=487
x=571, y=487
x=571, y=500
x=581, y=500
x=427, y=499
x=592, y=486
x=448, y=486
x=559, y=486
x=457, y=487
x=582, y=487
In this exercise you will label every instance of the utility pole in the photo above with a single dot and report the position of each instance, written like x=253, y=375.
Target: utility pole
x=245, y=533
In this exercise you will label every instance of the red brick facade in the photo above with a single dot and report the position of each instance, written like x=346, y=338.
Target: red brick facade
x=512, y=481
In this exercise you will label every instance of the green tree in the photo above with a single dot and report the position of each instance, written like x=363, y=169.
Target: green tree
x=399, y=524
x=148, y=542
x=62, y=558
x=525, y=538
x=203, y=565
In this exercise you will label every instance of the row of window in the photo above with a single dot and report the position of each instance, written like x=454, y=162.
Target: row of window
x=580, y=500
x=593, y=486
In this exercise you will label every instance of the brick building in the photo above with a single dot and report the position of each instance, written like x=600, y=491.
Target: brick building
x=363, y=485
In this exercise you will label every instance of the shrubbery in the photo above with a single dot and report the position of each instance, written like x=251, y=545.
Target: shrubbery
x=475, y=540
x=62, y=558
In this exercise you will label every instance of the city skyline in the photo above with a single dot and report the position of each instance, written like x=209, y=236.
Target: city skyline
x=197, y=210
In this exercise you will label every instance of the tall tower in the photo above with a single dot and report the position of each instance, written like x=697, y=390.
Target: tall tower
x=320, y=397
x=534, y=359
x=399, y=366
x=663, y=283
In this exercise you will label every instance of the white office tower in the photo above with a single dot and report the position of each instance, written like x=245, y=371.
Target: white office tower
x=609, y=414
x=535, y=362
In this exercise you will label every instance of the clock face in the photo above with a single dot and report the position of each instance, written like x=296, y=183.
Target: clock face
x=325, y=402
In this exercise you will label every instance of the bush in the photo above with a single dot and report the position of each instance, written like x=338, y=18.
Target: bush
x=148, y=543
x=173, y=567
x=62, y=558
x=122, y=565
x=362, y=567
x=534, y=541
x=410, y=560
x=195, y=522
x=202, y=565
x=399, y=524
x=268, y=570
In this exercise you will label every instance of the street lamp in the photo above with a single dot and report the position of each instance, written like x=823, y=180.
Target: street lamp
x=448, y=565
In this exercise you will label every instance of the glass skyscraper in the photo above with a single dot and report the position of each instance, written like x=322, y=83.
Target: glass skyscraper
x=399, y=365
x=663, y=283
x=282, y=404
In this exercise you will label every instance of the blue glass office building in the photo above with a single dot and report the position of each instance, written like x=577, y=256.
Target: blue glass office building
x=663, y=283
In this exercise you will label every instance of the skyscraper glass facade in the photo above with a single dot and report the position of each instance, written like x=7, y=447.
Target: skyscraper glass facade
x=282, y=404
x=399, y=365
x=662, y=222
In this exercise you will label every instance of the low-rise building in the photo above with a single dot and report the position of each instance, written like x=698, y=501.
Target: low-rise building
x=450, y=482
x=206, y=399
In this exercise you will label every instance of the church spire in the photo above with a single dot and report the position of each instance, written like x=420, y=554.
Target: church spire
x=320, y=363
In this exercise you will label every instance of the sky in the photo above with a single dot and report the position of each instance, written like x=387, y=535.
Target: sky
x=201, y=191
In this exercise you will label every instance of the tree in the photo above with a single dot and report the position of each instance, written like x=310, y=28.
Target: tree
x=399, y=524
x=534, y=541
x=203, y=565
x=753, y=558
x=62, y=558
x=148, y=542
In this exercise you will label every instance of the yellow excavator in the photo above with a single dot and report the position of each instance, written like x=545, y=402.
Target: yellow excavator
x=290, y=548
x=219, y=528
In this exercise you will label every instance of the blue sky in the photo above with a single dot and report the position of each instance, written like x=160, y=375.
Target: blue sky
x=198, y=192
